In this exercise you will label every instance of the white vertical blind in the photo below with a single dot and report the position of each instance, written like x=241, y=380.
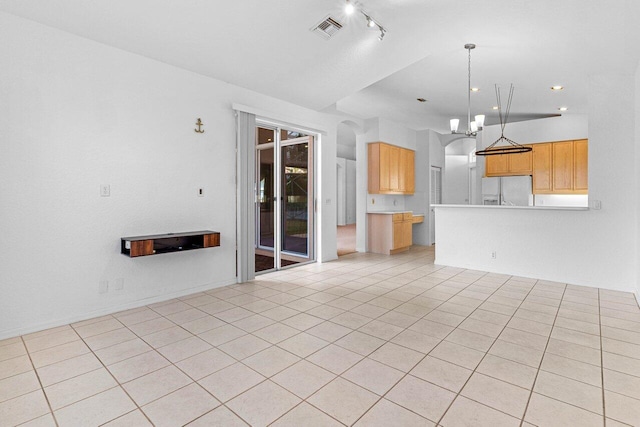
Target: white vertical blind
x=246, y=194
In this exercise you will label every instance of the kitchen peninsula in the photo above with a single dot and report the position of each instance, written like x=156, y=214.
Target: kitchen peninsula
x=549, y=243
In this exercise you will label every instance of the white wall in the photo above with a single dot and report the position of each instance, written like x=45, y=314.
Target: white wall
x=419, y=202
x=594, y=247
x=341, y=191
x=637, y=162
x=76, y=114
x=456, y=185
x=346, y=151
x=350, y=190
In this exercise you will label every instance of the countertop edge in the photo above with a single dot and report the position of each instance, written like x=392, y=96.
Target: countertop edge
x=531, y=208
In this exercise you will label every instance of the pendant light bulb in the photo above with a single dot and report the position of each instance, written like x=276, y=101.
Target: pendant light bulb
x=480, y=121
x=474, y=127
x=454, y=125
x=370, y=22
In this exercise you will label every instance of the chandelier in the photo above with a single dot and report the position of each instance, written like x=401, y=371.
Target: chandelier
x=472, y=126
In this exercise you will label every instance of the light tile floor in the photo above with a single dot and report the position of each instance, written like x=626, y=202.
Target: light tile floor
x=368, y=340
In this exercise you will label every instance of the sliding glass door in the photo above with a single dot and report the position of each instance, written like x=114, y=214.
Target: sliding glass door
x=284, y=198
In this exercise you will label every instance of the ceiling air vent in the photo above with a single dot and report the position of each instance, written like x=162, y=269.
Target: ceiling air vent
x=327, y=28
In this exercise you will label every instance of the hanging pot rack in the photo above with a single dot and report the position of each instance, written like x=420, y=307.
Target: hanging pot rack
x=512, y=147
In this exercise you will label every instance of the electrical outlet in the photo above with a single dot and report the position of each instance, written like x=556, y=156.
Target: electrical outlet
x=103, y=286
x=493, y=255
x=373, y=201
x=119, y=284
x=597, y=205
x=105, y=190
x=200, y=192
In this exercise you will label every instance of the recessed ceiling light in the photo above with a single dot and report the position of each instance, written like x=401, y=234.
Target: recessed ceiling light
x=563, y=108
x=495, y=107
x=558, y=87
x=421, y=100
x=475, y=89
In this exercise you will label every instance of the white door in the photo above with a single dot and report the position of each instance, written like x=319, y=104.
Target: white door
x=435, y=199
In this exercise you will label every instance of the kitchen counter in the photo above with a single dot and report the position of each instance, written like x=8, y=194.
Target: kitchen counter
x=388, y=212
x=534, y=208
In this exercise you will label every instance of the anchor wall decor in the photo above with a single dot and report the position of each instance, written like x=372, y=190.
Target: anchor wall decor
x=199, y=124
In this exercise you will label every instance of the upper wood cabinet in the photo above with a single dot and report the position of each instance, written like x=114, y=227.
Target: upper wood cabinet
x=542, y=168
x=391, y=169
x=560, y=167
x=407, y=168
x=581, y=165
x=509, y=164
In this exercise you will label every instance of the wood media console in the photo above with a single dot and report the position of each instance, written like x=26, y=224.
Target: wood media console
x=170, y=242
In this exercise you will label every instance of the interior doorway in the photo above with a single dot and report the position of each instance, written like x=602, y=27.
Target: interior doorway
x=436, y=199
x=346, y=190
x=284, y=198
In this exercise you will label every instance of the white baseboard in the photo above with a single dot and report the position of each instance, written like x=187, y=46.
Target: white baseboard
x=10, y=333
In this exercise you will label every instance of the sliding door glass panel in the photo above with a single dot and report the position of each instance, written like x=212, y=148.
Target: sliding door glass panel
x=266, y=198
x=295, y=198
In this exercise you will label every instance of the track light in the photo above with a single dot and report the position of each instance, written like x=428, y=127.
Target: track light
x=352, y=6
x=349, y=8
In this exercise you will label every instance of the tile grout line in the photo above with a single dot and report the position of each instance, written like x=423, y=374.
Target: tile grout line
x=119, y=385
x=543, y=354
x=428, y=353
x=283, y=289
x=485, y=355
x=55, y=420
x=387, y=341
x=604, y=408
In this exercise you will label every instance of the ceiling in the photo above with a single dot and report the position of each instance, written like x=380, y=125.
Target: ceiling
x=267, y=46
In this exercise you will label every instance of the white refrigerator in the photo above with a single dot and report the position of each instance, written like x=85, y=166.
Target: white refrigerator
x=508, y=191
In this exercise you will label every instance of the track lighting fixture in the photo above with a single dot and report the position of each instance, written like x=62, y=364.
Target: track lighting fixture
x=351, y=6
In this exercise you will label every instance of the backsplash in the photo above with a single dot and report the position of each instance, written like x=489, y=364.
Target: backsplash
x=567, y=200
x=385, y=202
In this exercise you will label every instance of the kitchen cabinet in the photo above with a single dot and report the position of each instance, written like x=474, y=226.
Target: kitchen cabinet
x=561, y=167
x=407, y=171
x=508, y=164
x=581, y=165
x=542, y=168
x=391, y=169
x=390, y=232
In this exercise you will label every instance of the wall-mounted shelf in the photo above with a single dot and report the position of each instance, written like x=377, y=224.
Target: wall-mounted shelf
x=170, y=242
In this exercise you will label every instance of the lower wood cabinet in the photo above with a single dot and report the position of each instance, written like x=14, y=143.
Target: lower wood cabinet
x=390, y=233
